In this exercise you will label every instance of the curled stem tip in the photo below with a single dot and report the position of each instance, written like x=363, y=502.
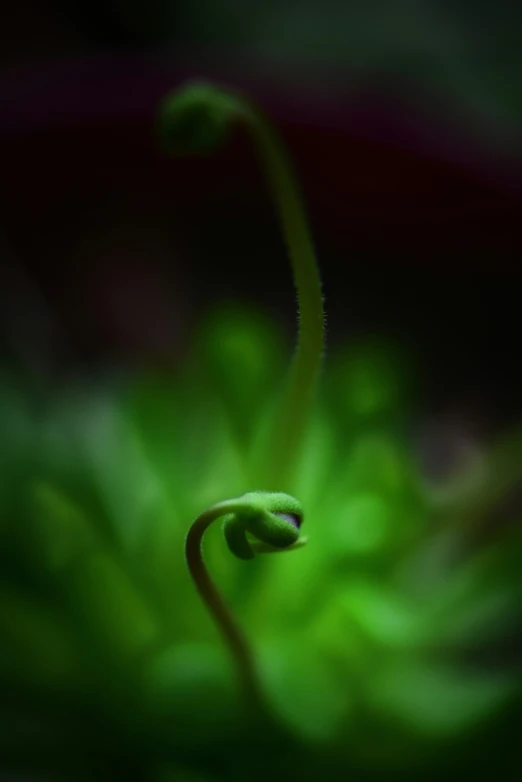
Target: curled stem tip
x=197, y=118
x=257, y=522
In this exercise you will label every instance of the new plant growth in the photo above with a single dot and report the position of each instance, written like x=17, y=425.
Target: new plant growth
x=273, y=520
x=194, y=120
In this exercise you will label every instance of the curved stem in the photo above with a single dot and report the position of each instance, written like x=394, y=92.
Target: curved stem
x=208, y=591
x=291, y=416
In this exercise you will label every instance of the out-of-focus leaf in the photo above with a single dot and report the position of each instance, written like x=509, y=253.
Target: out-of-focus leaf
x=37, y=646
x=193, y=688
x=96, y=586
x=305, y=690
x=438, y=700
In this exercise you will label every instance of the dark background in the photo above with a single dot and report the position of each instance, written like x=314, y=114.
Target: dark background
x=404, y=122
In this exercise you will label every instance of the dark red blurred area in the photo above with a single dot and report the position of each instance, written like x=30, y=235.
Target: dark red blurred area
x=416, y=221
x=377, y=177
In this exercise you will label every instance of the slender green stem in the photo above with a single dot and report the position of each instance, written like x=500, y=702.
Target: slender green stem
x=196, y=119
x=292, y=414
x=208, y=591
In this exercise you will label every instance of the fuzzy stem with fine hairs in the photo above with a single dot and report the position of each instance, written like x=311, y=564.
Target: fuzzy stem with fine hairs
x=294, y=407
x=197, y=118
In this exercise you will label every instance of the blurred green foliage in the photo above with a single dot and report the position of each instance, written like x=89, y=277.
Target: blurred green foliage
x=383, y=644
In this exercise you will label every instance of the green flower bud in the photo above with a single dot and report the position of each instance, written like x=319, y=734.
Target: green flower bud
x=274, y=519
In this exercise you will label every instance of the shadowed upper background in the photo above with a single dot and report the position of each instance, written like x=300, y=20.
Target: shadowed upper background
x=404, y=121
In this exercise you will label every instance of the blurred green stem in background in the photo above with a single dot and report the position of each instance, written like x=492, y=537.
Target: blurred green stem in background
x=195, y=119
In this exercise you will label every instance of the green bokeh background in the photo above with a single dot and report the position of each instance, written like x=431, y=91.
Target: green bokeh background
x=385, y=645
